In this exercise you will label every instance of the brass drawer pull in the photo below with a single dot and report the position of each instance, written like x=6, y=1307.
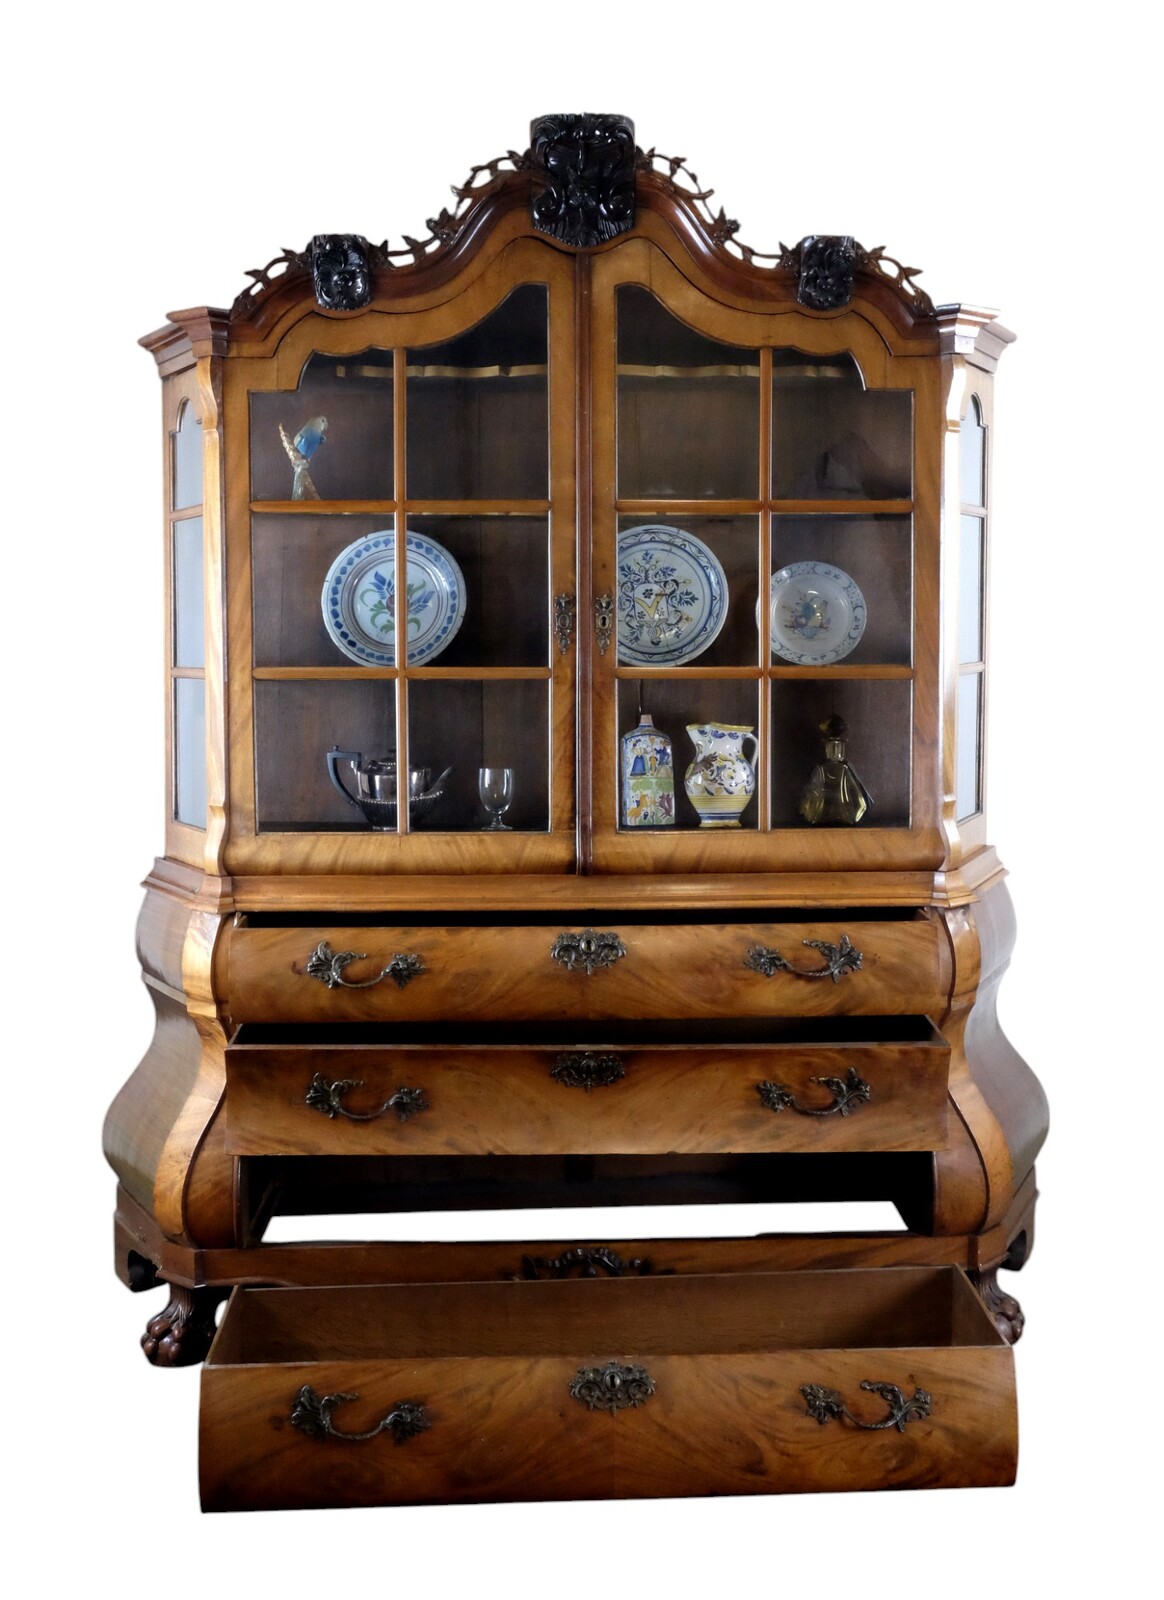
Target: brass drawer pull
x=328, y=1098
x=612, y=1388
x=587, y=1070
x=325, y=964
x=822, y=1403
x=312, y=1412
x=849, y=1094
x=584, y=1261
x=839, y=959
x=587, y=950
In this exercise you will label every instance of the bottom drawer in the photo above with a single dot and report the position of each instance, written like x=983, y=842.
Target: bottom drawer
x=596, y=1389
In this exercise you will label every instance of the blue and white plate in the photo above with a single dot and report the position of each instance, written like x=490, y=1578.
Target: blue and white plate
x=818, y=614
x=359, y=599
x=672, y=596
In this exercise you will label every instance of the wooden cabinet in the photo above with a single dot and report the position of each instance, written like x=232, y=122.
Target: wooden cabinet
x=652, y=865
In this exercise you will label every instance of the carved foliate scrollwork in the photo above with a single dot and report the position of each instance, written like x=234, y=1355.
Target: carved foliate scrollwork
x=328, y=1098
x=565, y=608
x=839, y=959
x=823, y=1405
x=848, y=1095
x=588, y=164
x=311, y=1413
x=588, y=1070
x=612, y=1388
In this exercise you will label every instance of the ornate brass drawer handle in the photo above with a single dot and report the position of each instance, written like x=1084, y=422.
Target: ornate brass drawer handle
x=585, y=1261
x=587, y=950
x=822, y=1403
x=312, y=1413
x=328, y=966
x=612, y=1388
x=328, y=1098
x=849, y=1094
x=564, y=612
x=587, y=1070
x=839, y=959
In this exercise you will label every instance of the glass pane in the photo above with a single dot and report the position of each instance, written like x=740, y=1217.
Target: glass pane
x=478, y=420
x=187, y=453
x=293, y=557
x=467, y=726
x=189, y=616
x=833, y=439
x=973, y=443
x=970, y=591
x=687, y=591
x=296, y=725
x=688, y=408
x=675, y=705
x=876, y=740
x=335, y=441
x=504, y=564
x=190, y=751
x=828, y=572
x=968, y=784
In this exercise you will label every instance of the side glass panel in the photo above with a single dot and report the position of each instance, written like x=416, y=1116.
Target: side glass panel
x=973, y=452
x=971, y=613
x=478, y=408
x=329, y=439
x=833, y=439
x=186, y=486
x=970, y=591
x=688, y=408
x=969, y=758
x=189, y=604
x=189, y=713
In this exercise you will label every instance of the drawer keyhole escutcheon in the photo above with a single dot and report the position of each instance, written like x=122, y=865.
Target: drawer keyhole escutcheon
x=588, y=1071
x=822, y=1404
x=839, y=959
x=849, y=1094
x=328, y=966
x=328, y=1098
x=587, y=951
x=612, y=1388
x=312, y=1414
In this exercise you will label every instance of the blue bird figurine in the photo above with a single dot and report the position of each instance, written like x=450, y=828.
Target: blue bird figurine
x=301, y=449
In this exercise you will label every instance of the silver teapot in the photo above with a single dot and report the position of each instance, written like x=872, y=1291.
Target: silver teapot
x=375, y=792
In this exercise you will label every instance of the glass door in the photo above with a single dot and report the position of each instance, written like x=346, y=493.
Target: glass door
x=411, y=515
x=755, y=528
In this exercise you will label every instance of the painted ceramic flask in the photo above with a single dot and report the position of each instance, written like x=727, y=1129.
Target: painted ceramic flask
x=721, y=780
x=648, y=778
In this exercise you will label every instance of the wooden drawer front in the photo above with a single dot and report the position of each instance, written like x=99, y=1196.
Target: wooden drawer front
x=606, y=1099
x=521, y=1391
x=496, y=973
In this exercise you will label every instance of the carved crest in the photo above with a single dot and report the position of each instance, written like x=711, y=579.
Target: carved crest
x=588, y=163
x=341, y=270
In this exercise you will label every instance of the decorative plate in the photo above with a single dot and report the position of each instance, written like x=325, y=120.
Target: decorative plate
x=672, y=596
x=359, y=599
x=818, y=614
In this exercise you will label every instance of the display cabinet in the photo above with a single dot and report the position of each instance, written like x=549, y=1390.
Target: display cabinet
x=576, y=692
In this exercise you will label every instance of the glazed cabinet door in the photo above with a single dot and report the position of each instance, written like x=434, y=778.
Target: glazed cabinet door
x=407, y=474
x=765, y=583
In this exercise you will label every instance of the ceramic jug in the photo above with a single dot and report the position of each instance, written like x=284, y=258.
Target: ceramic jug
x=721, y=780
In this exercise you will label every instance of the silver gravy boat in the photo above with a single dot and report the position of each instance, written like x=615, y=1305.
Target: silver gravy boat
x=375, y=792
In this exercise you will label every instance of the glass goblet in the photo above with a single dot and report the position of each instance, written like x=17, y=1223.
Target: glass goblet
x=495, y=786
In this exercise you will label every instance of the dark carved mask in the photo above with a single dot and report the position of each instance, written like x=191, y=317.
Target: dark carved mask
x=341, y=271
x=589, y=164
x=827, y=265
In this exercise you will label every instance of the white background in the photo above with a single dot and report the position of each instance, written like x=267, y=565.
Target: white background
x=153, y=155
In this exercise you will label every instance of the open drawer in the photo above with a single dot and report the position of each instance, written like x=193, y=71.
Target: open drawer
x=753, y=1383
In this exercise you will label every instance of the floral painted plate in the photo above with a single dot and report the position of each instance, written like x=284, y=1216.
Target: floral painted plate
x=359, y=599
x=818, y=614
x=672, y=596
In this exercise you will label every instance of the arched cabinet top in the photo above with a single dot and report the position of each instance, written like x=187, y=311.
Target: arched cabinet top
x=581, y=188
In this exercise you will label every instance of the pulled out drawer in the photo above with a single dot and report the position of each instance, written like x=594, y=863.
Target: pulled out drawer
x=876, y=1083
x=423, y=974
x=595, y=1389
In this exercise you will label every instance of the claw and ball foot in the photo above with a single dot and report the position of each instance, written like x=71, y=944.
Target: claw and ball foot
x=180, y=1335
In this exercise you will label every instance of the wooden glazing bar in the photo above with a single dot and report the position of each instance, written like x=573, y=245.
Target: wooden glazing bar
x=387, y=508
x=482, y=674
x=188, y=672
x=400, y=485
x=186, y=513
x=688, y=508
x=721, y=673
x=843, y=508
x=764, y=617
x=325, y=674
x=823, y=674
x=324, y=508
